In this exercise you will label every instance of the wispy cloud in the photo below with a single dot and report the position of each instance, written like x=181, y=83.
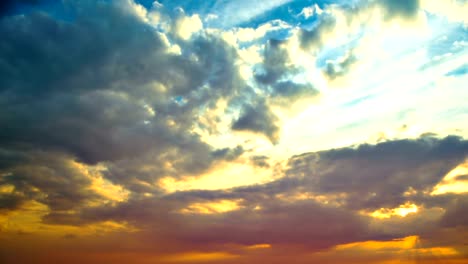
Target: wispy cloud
x=232, y=13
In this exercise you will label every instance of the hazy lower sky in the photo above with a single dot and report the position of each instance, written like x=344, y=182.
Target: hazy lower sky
x=234, y=131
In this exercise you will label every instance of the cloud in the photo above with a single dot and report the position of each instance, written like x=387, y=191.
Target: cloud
x=273, y=221
x=258, y=118
x=316, y=205
x=110, y=89
x=308, y=205
x=246, y=10
x=229, y=154
x=403, y=8
x=378, y=176
x=278, y=70
x=456, y=213
x=274, y=224
x=10, y=202
x=260, y=161
x=314, y=38
x=341, y=67
x=76, y=83
x=51, y=179
x=103, y=104
x=277, y=64
x=104, y=89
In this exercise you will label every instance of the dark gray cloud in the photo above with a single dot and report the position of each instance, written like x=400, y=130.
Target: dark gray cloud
x=375, y=176
x=341, y=67
x=42, y=55
x=71, y=68
x=276, y=72
x=462, y=177
x=258, y=118
x=102, y=87
x=290, y=91
x=140, y=175
x=10, y=201
x=228, y=153
x=456, y=214
x=49, y=178
x=273, y=77
x=298, y=223
x=276, y=222
x=402, y=8
x=260, y=161
x=368, y=177
x=275, y=64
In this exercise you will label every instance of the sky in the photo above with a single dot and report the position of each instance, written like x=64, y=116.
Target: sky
x=234, y=131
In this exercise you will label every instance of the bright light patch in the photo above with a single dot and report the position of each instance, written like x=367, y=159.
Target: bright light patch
x=400, y=249
x=187, y=26
x=404, y=243
x=402, y=211
x=453, y=182
x=454, y=10
x=28, y=219
x=221, y=206
x=7, y=188
x=200, y=257
x=328, y=200
x=258, y=246
x=223, y=176
x=101, y=185
x=109, y=190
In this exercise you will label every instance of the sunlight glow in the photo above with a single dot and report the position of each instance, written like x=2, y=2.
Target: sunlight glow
x=258, y=246
x=404, y=243
x=29, y=219
x=453, y=181
x=402, y=211
x=221, y=206
x=223, y=175
x=200, y=257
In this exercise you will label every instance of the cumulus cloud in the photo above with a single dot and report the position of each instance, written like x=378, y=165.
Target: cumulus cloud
x=109, y=89
x=105, y=88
